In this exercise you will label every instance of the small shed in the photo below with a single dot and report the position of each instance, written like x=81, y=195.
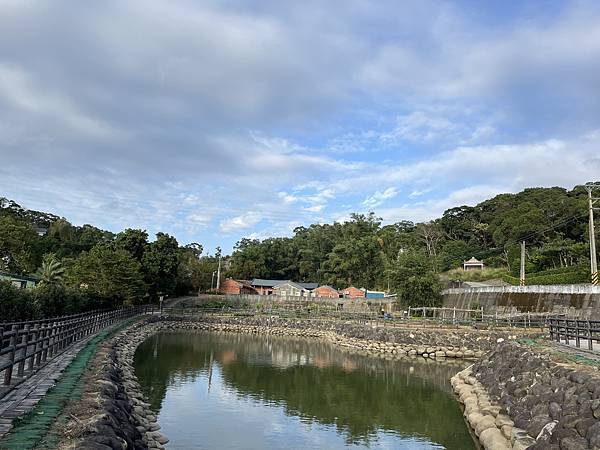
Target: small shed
x=326, y=292
x=236, y=287
x=352, y=292
x=473, y=264
x=20, y=281
x=291, y=289
x=265, y=287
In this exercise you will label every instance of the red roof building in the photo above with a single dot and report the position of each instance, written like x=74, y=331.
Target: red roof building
x=352, y=292
x=235, y=287
x=326, y=292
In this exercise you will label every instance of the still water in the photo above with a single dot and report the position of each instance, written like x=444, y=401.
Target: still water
x=242, y=392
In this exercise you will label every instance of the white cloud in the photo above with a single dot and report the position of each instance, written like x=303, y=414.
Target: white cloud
x=242, y=222
x=379, y=197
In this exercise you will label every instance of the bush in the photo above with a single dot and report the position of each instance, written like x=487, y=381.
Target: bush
x=556, y=278
x=420, y=291
x=16, y=304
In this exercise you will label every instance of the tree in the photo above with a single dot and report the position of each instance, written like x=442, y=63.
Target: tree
x=110, y=274
x=431, y=234
x=133, y=241
x=160, y=263
x=51, y=272
x=414, y=279
x=17, y=243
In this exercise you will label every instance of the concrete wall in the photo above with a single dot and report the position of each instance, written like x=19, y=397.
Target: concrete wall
x=576, y=300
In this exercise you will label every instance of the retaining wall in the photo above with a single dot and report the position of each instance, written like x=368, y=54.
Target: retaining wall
x=581, y=301
x=518, y=399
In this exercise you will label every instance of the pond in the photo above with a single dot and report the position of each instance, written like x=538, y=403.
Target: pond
x=239, y=391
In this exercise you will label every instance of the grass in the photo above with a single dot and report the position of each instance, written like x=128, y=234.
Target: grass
x=475, y=275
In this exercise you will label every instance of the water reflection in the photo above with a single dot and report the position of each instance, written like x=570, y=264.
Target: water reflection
x=247, y=392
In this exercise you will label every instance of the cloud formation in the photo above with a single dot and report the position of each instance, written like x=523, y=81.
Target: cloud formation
x=214, y=120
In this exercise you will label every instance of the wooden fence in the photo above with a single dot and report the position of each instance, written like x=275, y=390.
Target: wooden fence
x=25, y=346
x=567, y=330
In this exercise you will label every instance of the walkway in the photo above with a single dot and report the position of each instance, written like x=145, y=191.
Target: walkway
x=27, y=394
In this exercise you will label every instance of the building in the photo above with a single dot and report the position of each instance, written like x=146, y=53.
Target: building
x=20, y=281
x=326, y=292
x=473, y=264
x=229, y=286
x=374, y=294
x=309, y=286
x=265, y=287
x=352, y=292
x=291, y=289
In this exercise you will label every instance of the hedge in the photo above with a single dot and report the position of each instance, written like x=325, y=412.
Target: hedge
x=558, y=278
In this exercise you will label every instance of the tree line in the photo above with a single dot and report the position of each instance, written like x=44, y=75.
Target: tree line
x=83, y=267
x=407, y=258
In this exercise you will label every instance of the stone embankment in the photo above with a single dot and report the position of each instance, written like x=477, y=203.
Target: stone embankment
x=515, y=398
x=113, y=412
x=424, y=341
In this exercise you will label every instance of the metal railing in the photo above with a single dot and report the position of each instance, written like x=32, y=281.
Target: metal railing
x=567, y=330
x=26, y=346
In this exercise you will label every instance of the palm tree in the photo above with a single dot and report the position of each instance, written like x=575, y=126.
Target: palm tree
x=51, y=272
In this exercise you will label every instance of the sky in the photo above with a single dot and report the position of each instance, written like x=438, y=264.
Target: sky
x=219, y=119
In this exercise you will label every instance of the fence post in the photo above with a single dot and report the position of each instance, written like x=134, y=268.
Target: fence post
x=45, y=341
x=11, y=355
x=589, y=335
x=25, y=343
x=34, y=344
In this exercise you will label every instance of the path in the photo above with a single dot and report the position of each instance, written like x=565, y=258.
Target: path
x=27, y=394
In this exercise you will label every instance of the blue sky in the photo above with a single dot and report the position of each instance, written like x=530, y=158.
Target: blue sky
x=216, y=120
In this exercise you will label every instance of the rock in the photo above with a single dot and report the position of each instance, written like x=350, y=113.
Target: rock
x=593, y=435
x=555, y=410
x=573, y=443
x=483, y=423
x=492, y=439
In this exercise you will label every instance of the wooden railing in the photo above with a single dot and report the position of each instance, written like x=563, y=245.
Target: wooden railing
x=25, y=346
x=568, y=330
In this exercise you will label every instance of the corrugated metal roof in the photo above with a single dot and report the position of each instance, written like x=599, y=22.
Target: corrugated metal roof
x=309, y=286
x=266, y=283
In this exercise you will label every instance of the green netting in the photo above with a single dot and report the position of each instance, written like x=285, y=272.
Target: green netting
x=31, y=431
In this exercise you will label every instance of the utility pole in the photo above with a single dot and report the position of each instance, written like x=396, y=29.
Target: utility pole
x=593, y=257
x=522, y=275
x=219, y=269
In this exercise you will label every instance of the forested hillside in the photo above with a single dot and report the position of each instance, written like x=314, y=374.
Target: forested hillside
x=83, y=267
x=406, y=257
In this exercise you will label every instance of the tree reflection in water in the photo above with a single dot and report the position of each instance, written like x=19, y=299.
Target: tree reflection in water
x=355, y=395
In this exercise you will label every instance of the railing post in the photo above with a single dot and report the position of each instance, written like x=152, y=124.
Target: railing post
x=34, y=344
x=38, y=345
x=589, y=335
x=11, y=355
x=45, y=342
x=25, y=344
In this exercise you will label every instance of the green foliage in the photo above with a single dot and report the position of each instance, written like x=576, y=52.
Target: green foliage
x=414, y=279
x=110, y=274
x=566, y=275
x=475, y=275
x=51, y=272
x=16, y=304
x=160, y=263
